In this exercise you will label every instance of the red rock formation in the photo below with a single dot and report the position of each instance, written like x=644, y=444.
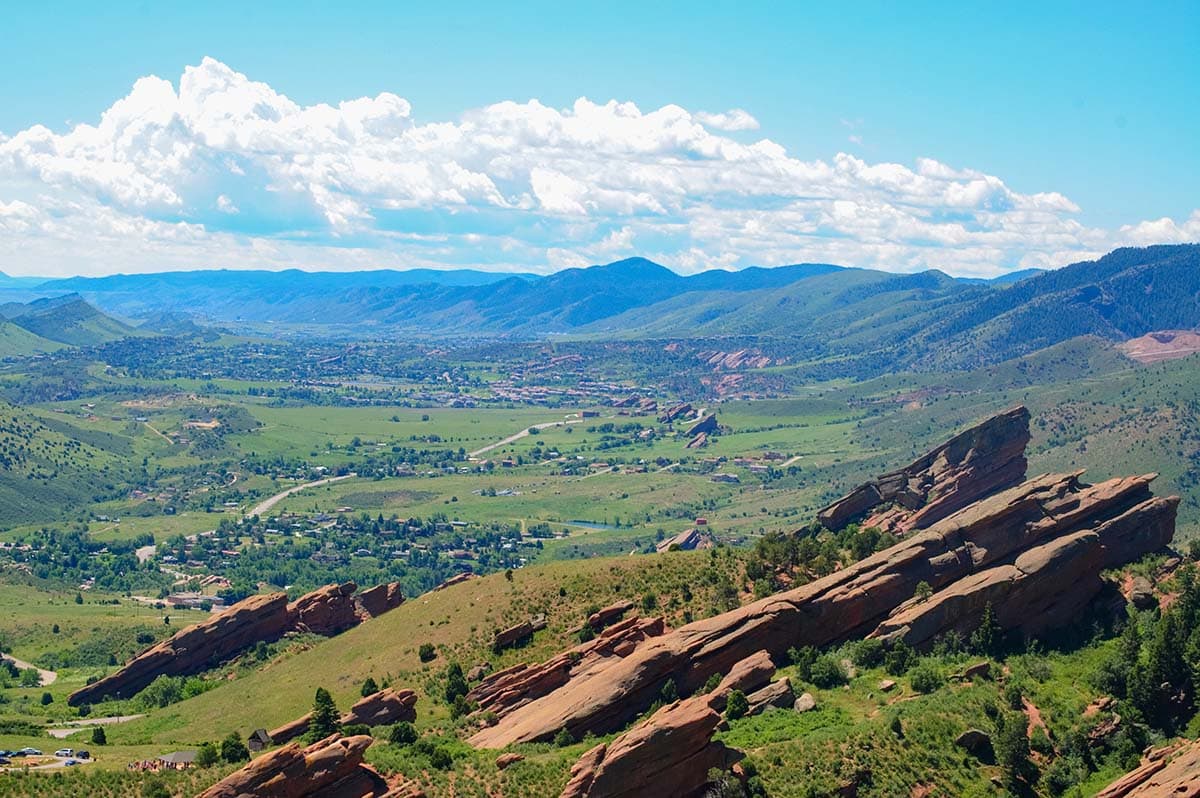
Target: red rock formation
x=855, y=600
x=503, y=691
x=671, y=752
x=195, y=648
x=458, y=579
x=687, y=540
x=706, y=425
x=328, y=611
x=377, y=600
x=1045, y=587
x=331, y=768
x=1165, y=773
x=675, y=412
x=325, y=611
x=975, y=463
x=605, y=616
x=515, y=635
x=381, y=708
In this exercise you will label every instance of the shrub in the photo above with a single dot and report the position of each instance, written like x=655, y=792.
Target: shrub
x=233, y=750
x=47, y=699
x=369, y=687
x=99, y=737
x=355, y=729
x=736, y=705
x=564, y=738
x=206, y=755
x=712, y=683
x=441, y=759
x=403, y=733
x=827, y=672
x=803, y=659
x=899, y=659
x=922, y=591
x=427, y=652
x=868, y=653
x=926, y=677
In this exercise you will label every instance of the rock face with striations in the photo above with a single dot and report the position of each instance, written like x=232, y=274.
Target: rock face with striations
x=380, y=708
x=672, y=751
x=503, y=691
x=988, y=457
x=1165, y=773
x=331, y=768
x=1059, y=521
x=327, y=611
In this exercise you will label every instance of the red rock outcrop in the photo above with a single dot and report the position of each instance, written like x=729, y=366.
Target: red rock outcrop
x=676, y=412
x=706, y=425
x=502, y=692
x=1045, y=587
x=977, y=462
x=331, y=768
x=672, y=751
x=518, y=634
x=457, y=579
x=266, y=618
x=325, y=611
x=1165, y=773
x=196, y=647
x=375, y=601
x=606, y=616
x=687, y=540
x=381, y=708
x=1122, y=517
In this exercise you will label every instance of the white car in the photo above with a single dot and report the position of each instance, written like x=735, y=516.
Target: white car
x=65, y=752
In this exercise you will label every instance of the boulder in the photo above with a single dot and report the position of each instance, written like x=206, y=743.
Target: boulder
x=979, y=461
x=505, y=760
x=887, y=685
x=1141, y=594
x=380, y=708
x=805, y=703
x=519, y=634
x=775, y=694
x=477, y=673
x=331, y=768
x=458, y=579
x=1102, y=525
x=981, y=669
x=1164, y=773
x=975, y=742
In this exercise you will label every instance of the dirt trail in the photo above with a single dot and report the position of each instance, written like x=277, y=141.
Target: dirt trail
x=48, y=677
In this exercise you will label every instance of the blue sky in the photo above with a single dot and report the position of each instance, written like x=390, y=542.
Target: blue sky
x=1096, y=104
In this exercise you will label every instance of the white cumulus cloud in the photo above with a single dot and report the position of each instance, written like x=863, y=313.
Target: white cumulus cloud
x=220, y=170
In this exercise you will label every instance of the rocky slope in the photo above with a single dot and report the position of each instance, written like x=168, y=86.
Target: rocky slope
x=977, y=462
x=1034, y=551
x=330, y=768
x=326, y=611
x=1165, y=773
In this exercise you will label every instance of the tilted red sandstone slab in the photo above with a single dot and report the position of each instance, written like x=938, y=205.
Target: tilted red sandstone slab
x=331, y=768
x=502, y=692
x=848, y=603
x=1045, y=587
x=1164, y=774
x=671, y=752
x=196, y=647
x=988, y=457
x=381, y=708
x=266, y=618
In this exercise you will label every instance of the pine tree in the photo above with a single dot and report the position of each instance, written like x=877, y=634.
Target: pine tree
x=369, y=687
x=324, y=720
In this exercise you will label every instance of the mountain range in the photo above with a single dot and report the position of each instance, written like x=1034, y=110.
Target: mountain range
x=857, y=317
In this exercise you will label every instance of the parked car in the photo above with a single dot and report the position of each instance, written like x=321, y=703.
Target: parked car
x=82, y=755
x=70, y=762
x=29, y=752
x=5, y=760
x=65, y=752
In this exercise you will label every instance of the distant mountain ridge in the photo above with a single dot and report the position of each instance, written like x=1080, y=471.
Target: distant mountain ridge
x=866, y=319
